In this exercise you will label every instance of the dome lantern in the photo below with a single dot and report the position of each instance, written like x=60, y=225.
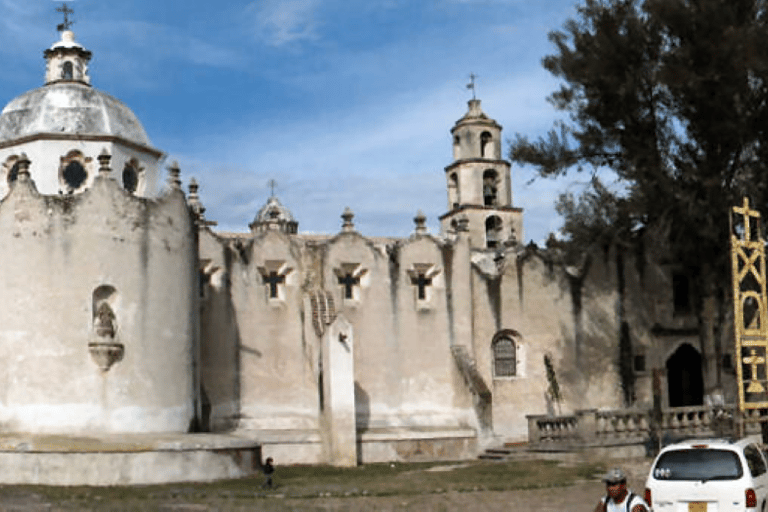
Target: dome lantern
x=67, y=61
x=274, y=216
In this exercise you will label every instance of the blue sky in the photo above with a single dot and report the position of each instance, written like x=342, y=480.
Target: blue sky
x=342, y=102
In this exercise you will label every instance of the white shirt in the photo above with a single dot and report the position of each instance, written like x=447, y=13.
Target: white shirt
x=623, y=506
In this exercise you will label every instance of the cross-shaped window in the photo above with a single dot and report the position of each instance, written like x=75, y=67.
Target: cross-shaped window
x=349, y=277
x=273, y=274
x=422, y=277
x=421, y=281
x=349, y=282
x=273, y=280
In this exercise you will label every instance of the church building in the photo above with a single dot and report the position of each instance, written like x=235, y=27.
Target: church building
x=125, y=311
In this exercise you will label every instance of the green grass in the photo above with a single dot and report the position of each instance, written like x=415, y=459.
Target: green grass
x=311, y=482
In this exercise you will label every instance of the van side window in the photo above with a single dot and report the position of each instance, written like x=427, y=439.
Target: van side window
x=755, y=461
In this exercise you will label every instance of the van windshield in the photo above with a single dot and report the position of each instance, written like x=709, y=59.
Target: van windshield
x=698, y=464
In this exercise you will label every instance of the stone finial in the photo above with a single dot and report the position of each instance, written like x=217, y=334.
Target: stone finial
x=104, y=158
x=24, y=163
x=347, y=216
x=174, y=175
x=194, y=201
x=198, y=210
x=193, y=186
x=421, y=223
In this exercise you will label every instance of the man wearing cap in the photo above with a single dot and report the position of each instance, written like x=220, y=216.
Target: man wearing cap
x=619, y=498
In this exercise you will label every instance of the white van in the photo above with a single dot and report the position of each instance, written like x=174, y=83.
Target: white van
x=714, y=475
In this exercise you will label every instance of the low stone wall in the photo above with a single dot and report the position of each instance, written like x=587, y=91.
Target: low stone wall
x=125, y=459
x=387, y=444
x=592, y=427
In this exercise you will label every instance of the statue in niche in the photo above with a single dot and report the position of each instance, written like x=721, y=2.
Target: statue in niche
x=104, y=323
x=105, y=351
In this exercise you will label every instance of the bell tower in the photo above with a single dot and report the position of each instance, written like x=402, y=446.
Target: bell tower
x=479, y=183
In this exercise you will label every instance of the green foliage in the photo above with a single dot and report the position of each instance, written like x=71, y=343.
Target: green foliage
x=671, y=97
x=299, y=487
x=554, y=388
x=597, y=218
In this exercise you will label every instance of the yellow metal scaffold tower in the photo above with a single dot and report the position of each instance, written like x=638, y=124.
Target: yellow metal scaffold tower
x=750, y=317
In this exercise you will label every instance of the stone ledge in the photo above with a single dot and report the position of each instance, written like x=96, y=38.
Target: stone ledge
x=131, y=459
x=119, y=443
x=414, y=433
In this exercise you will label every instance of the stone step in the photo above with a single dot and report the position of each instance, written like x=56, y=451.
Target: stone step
x=506, y=451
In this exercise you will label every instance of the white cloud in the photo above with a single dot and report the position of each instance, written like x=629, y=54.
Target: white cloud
x=159, y=42
x=282, y=22
x=384, y=159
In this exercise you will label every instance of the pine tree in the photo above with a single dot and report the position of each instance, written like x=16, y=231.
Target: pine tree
x=670, y=96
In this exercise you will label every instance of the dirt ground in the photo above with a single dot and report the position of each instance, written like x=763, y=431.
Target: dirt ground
x=580, y=497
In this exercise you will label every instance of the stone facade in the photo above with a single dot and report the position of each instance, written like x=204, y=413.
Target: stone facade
x=127, y=312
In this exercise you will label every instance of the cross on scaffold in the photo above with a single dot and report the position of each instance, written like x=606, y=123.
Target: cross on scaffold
x=272, y=184
x=66, y=11
x=754, y=360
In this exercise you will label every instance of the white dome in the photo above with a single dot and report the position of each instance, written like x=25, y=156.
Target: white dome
x=273, y=211
x=69, y=108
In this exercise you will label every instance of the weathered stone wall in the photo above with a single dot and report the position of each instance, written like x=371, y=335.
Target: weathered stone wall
x=220, y=337
x=261, y=355
x=64, y=256
x=277, y=388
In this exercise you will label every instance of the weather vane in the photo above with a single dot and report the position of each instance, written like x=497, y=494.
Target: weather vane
x=66, y=11
x=272, y=184
x=471, y=84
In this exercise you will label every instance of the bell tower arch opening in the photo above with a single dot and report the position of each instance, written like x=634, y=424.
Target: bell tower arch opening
x=490, y=188
x=485, y=140
x=493, y=228
x=685, y=381
x=453, y=191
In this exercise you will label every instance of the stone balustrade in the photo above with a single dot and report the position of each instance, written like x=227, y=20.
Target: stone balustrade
x=592, y=427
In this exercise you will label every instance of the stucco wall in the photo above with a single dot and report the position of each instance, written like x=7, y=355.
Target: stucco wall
x=56, y=252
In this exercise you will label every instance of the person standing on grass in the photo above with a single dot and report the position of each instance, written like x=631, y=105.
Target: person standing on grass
x=268, y=470
x=619, y=498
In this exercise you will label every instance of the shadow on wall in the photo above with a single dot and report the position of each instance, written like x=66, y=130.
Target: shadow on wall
x=362, y=417
x=362, y=408
x=221, y=354
x=598, y=350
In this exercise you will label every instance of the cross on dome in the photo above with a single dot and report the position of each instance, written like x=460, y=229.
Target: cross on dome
x=66, y=11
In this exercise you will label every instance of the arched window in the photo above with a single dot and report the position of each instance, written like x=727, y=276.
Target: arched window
x=453, y=190
x=490, y=188
x=131, y=176
x=67, y=71
x=12, y=169
x=493, y=227
x=72, y=171
x=485, y=140
x=13, y=174
x=505, y=354
x=74, y=175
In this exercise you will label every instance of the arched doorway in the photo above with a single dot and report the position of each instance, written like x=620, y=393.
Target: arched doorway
x=684, y=378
